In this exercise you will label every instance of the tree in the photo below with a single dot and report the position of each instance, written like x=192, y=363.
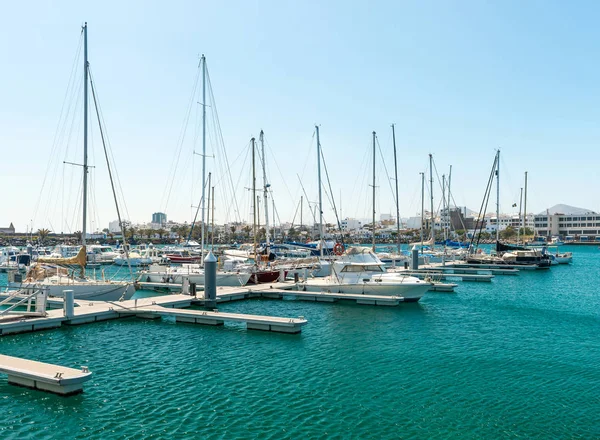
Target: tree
x=43, y=234
x=247, y=230
x=78, y=235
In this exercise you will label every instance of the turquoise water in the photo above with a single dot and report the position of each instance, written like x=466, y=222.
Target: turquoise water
x=519, y=357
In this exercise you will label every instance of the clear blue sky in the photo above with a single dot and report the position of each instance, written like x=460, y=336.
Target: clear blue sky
x=459, y=78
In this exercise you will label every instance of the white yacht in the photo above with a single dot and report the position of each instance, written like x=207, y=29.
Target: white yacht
x=101, y=254
x=359, y=271
x=142, y=256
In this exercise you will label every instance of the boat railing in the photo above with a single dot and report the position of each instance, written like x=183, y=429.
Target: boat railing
x=33, y=298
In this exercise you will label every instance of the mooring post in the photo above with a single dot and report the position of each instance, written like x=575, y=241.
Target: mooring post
x=415, y=258
x=210, y=280
x=69, y=303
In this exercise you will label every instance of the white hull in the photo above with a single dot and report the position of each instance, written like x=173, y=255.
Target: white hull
x=96, y=291
x=231, y=279
x=133, y=261
x=410, y=291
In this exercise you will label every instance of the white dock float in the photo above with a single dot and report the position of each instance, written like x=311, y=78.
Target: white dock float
x=444, y=276
x=289, y=291
x=46, y=377
x=253, y=322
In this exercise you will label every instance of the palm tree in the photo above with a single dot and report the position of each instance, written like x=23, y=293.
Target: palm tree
x=247, y=230
x=43, y=234
x=78, y=235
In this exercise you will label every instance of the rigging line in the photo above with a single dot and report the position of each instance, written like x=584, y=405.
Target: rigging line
x=110, y=152
x=480, y=220
x=307, y=200
x=308, y=155
x=213, y=102
x=180, y=140
x=279, y=170
x=112, y=184
x=56, y=133
x=389, y=179
x=246, y=149
x=332, y=201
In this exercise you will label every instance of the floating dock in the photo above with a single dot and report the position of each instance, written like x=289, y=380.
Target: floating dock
x=46, y=377
x=253, y=322
x=439, y=275
x=94, y=311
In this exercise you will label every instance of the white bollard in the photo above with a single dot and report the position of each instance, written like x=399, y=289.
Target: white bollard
x=281, y=275
x=69, y=303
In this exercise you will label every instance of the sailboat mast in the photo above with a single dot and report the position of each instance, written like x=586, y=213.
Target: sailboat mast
x=212, y=244
x=203, y=60
x=525, y=206
x=301, y=197
x=208, y=210
x=85, y=133
x=422, y=206
x=373, y=228
x=498, y=195
x=431, y=192
x=397, y=200
x=443, y=217
x=320, y=195
x=520, y=206
x=266, y=189
x=448, y=217
x=254, y=198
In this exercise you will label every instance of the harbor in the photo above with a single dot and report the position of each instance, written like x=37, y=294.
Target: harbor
x=284, y=220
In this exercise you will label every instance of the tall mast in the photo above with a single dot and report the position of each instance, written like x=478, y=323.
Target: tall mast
x=301, y=211
x=498, y=195
x=320, y=196
x=208, y=213
x=422, y=207
x=85, y=133
x=525, y=206
x=397, y=200
x=374, y=135
x=443, y=217
x=203, y=61
x=520, y=206
x=266, y=189
x=449, y=219
x=254, y=198
x=431, y=192
x=212, y=244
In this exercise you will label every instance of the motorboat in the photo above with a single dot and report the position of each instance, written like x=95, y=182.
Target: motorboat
x=101, y=254
x=360, y=271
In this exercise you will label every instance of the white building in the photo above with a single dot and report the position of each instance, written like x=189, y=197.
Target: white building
x=569, y=222
x=351, y=224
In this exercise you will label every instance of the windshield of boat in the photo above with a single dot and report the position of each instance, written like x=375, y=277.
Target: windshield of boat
x=361, y=268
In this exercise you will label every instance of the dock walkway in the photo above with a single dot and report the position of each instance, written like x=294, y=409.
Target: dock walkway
x=41, y=376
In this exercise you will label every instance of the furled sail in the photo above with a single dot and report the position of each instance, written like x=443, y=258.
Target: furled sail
x=79, y=259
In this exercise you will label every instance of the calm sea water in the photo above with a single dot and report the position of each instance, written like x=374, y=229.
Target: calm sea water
x=519, y=357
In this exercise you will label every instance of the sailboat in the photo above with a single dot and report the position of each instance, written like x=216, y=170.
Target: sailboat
x=47, y=272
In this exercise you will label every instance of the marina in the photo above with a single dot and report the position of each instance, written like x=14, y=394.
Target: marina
x=279, y=221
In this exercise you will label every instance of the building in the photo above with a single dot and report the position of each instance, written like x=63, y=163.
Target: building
x=568, y=222
x=9, y=230
x=351, y=224
x=159, y=218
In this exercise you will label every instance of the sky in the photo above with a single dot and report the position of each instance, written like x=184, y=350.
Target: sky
x=459, y=79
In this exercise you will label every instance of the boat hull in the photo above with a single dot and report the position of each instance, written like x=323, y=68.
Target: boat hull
x=411, y=292
x=85, y=291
